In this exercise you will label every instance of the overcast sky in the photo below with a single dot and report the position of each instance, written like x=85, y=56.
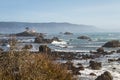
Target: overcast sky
x=100, y=13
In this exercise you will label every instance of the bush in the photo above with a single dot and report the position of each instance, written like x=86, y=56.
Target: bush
x=22, y=65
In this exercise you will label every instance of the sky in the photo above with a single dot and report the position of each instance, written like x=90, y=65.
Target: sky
x=100, y=13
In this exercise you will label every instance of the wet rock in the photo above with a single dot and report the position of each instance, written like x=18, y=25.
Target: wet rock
x=1, y=49
x=92, y=74
x=68, y=33
x=111, y=60
x=76, y=72
x=84, y=37
x=40, y=39
x=69, y=65
x=105, y=76
x=100, y=50
x=81, y=67
x=27, y=46
x=95, y=65
x=118, y=51
x=44, y=49
x=55, y=39
x=26, y=33
x=113, y=43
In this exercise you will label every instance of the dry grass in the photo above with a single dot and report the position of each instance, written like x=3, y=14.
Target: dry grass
x=23, y=65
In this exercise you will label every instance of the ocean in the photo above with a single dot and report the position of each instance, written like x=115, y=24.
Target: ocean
x=71, y=43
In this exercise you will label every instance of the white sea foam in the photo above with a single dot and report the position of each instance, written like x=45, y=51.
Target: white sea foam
x=59, y=42
x=71, y=50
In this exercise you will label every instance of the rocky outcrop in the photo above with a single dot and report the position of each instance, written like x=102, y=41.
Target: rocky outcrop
x=84, y=37
x=41, y=39
x=25, y=33
x=105, y=76
x=44, y=49
x=113, y=43
x=95, y=65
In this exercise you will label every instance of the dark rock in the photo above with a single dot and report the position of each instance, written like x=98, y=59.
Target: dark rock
x=118, y=51
x=111, y=60
x=81, y=67
x=76, y=72
x=69, y=65
x=55, y=39
x=25, y=33
x=1, y=49
x=100, y=50
x=68, y=33
x=114, y=68
x=84, y=37
x=118, y=59
x=113, y=43
x=40, y=39
x=44, y=49
x=95, y=65
x=92, y=74
x=27, y=46
x=105, y=76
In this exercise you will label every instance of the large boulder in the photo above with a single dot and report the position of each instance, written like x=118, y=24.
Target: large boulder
x=44, y=49
x=113, y=43
x=40, y=39
x=95, y=65
x=84, y=37
x=105, y=76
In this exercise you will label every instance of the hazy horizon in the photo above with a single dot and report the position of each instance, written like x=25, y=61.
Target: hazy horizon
x=103, y=14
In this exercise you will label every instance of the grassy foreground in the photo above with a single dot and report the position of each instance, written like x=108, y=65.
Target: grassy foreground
x=23, y=65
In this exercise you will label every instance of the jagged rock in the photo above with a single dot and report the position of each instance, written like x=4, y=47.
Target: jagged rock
x=113, y=43
x=84, y=37
x=95, y=65
x=44, y=49
x=105, y=76
x=92, y=74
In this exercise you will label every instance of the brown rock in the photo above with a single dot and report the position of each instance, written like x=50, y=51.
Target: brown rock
x=44, y=49
x=105, y=76
x=95, y=65
x=113, y=43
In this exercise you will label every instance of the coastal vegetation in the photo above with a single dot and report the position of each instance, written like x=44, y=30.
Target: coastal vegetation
x=24, y=65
